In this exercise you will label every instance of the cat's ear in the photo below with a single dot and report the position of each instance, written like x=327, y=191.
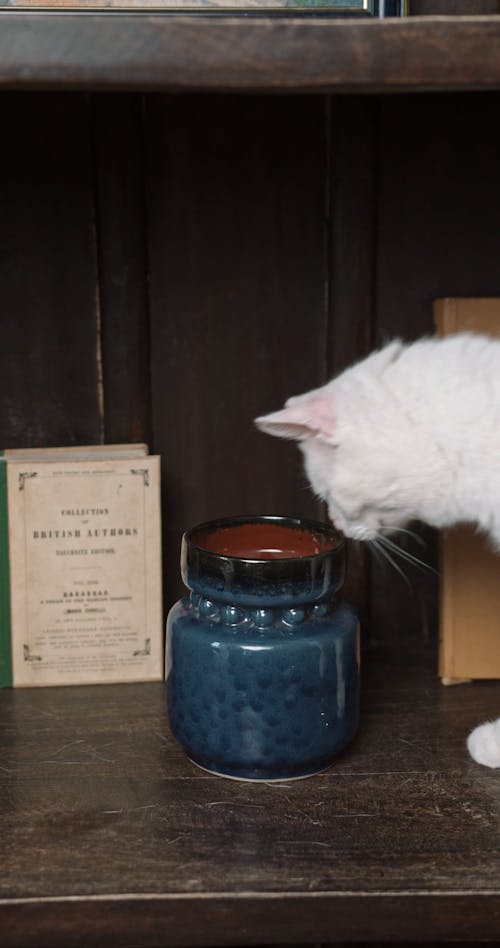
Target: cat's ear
x=381, y=358
x=301, y=418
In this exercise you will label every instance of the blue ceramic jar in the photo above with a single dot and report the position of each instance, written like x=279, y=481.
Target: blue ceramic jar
x=262, y=661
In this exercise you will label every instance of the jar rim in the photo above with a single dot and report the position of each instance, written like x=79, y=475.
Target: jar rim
x=316, y=528
x=263, y=581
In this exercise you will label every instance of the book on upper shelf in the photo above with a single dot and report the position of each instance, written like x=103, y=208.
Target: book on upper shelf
x=469, y=634
x=80, y=566
x=377, y=8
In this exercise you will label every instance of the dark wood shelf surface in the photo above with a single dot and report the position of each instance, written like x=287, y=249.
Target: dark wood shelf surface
x=115, y=50
x=110, y=836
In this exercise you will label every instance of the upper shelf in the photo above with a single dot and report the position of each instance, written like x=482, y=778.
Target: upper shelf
x=115, y=50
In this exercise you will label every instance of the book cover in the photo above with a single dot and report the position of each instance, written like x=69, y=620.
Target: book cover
x=469, y=635
x=80, y=581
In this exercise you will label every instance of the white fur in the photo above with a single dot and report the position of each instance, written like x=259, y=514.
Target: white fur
x=484, y=743
x=412, y=432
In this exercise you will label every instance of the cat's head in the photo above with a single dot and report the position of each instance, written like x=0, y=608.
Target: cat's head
x=362, y=452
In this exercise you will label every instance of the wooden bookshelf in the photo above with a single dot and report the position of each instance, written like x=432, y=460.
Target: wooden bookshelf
x=114, y=50
x=111, y=837
x=172, y=265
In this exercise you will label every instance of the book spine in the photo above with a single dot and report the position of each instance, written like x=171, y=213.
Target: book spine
x=5, y=633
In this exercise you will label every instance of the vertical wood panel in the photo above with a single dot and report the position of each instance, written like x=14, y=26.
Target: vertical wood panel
x=121, y=224
x=439, y=206
x=352, y=255
x=48, y=381
x=237, y=254
x=439, y=212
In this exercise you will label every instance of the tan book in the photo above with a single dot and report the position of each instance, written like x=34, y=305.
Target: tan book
x=76, y=451
x=469, y=644
x=80, y=588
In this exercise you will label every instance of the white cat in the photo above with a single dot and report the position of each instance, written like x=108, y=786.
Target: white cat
x=412, y=432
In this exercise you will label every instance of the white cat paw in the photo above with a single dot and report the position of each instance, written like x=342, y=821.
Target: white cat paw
x=483, y=744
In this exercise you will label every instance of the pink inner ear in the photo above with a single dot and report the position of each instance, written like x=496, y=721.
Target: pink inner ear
x=301, y=418
x=321, y=414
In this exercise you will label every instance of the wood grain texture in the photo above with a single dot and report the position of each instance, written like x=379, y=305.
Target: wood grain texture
x=154, y=51
x=237, y=275
x=439, y=205
x=351, y=231
x=121, y=230
x=437, y=236
x=48, y=273
x=110, y=834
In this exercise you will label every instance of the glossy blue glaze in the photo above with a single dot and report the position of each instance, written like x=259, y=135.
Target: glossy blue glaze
x=269, y=702
x=262, y=692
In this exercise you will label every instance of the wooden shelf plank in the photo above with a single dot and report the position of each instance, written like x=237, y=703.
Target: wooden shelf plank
x=112, y=50
x=109, y=835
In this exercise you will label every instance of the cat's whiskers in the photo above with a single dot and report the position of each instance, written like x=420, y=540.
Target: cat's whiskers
x=374, y=549
x=410, y=533
x=377, y=546
x=405, y=554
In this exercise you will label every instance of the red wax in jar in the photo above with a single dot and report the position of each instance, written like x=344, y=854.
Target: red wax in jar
x=263, y=541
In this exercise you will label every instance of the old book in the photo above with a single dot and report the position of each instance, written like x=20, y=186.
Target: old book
x=80, y=566
x=75, y=452
x=469, y=645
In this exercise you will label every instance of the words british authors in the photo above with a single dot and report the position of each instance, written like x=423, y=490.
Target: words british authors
x=85, y=576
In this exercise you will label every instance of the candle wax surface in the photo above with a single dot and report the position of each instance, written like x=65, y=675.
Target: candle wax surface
x=263, y=541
